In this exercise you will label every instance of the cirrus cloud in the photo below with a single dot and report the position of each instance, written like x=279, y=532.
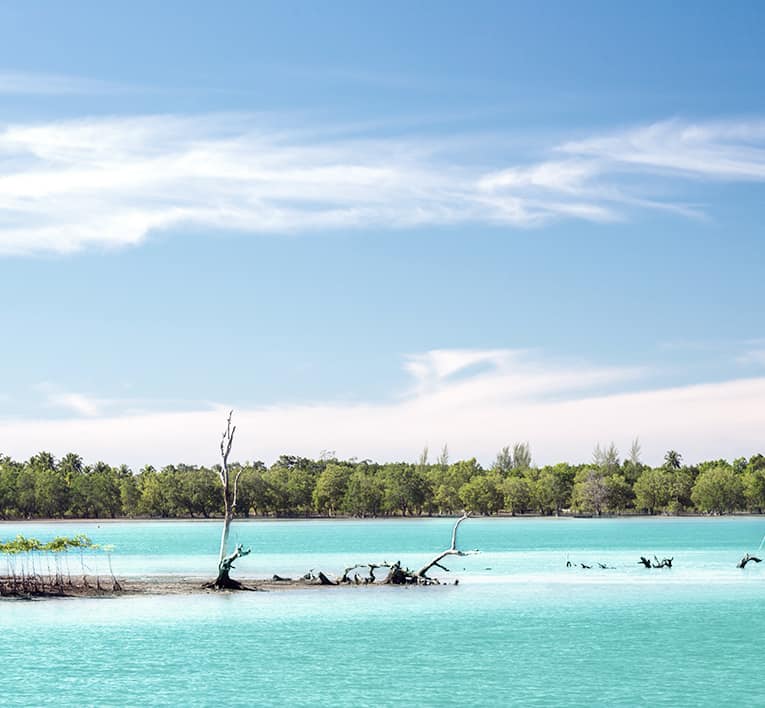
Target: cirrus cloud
x=109, y=182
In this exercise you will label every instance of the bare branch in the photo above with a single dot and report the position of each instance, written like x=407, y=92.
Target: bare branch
x=227, y=441
x=452, y=551
x=236, y=489
x=464, y=516
x=372, y=567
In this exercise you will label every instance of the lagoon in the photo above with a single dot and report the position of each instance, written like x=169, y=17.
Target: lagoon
x=521, y=628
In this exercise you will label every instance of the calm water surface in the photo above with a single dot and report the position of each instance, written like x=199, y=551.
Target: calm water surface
x=521, y=628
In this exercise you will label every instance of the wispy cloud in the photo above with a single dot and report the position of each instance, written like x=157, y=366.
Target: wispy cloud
x=461, y=376
x=109, y=182
x=31, y=83
x=560, y=408
x=77, y=403
x=47, y=396
x=754, y=356
x=725, y=150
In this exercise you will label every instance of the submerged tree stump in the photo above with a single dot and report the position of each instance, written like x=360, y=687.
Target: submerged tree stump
x=748, y=558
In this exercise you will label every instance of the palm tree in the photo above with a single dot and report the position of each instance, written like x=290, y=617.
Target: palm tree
x=673, y=460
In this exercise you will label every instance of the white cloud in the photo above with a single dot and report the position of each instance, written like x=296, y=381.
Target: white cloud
x=561, y=409
x=754, y=356
x=78, y=403
x=563, y=176
x=503, y=376
x=109, y=182
x=726, y=150
x=30, y=83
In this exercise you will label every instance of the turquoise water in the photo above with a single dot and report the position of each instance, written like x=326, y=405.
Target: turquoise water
x=520, y=628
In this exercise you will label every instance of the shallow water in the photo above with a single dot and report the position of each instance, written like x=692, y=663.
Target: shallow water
x=521, y=628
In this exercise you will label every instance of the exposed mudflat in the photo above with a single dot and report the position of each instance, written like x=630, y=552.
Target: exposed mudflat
x=148, y=585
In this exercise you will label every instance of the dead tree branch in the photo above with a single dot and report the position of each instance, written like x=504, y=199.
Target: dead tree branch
x=451, y=551
x=748, y=558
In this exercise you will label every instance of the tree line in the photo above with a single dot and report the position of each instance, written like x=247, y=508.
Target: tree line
x=44, y=487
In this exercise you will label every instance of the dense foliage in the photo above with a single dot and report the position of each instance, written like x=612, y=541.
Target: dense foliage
x=297, y=486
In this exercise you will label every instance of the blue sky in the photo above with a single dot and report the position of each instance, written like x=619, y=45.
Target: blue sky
x=370, y=228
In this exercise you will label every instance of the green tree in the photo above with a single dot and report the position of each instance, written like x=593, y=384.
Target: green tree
x=71, y=466
x=753, y=480
x=517, y=495
x=291, y=482
x=301, y=482
x=632, y=466
x=653, y=490
x=551, y=488
x=277, y=479
x=680, y=486
x=590, y=493
x=364, y=494
x=503, y=464
x=51, y=488
x=618, y=493
x=152, y=497
x=718, y=490
x=482, y=494
x=606, y=459
x=129, y=495
x=9, y=472
x=26, y=504
x=673, y=460
x=521, y=457
x=331, y=488
x=446, y=499
x=105, y=492
x=405, y=488
x=253, y=490
x=202, y=490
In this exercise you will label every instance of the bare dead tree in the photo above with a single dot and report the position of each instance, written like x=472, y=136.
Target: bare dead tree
x=226, y=561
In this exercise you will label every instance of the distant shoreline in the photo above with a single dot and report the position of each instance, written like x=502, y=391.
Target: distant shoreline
x=260, y=519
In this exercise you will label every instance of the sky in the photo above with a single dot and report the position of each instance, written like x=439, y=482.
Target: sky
x=369, y=228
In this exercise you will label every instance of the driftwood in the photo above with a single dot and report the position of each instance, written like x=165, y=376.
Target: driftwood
x=656, y=563
x=397, y=574
x=324, y=580
x=403, y=576
x=747, y=559
x=369, y=579
x=451, y=551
